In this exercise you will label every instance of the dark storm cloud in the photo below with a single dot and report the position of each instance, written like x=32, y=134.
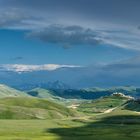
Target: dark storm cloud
x=138, y=27
x=109, y=10
x=115, y=20
x=9, y=19
x=116, y=74
x=77, y=35
x=67, y=35
x=15, y=18
x=124, y=65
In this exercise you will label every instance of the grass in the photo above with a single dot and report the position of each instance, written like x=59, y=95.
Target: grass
x=6, y=91
x=132, y=105
x=119, y=124
x=28, y=118
x=101, y=104
x=33, y=108
x=42, y=93
x=122, y=127
x=31, y=129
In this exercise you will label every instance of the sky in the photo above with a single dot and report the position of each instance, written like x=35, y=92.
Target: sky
x=93, y=38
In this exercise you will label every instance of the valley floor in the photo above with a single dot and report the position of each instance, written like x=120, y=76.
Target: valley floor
x=111, y=128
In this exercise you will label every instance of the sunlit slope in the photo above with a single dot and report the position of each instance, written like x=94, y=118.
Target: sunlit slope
x=32, y=108
x=43, y=93
x=102, y=104
x=6, y=91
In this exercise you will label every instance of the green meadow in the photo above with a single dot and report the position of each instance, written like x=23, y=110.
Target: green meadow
x=48, y=117
x=122, y=128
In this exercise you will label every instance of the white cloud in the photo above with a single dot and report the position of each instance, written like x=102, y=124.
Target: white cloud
x=75, y=35
x=126, y=39
x=19, y=68
x=67, y=35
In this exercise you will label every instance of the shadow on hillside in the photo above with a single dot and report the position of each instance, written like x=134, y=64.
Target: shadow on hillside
x=109, y=128
x=133, y=105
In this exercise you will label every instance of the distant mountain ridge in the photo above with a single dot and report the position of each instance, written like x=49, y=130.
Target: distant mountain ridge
x=49, y=85
x=60, y=90
x=94, y=93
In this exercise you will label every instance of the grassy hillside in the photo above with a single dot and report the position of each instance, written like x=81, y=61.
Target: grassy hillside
x=6, y=91
x=41, y=93
x=46, y=94
x=133, y=105
x=102, y=104
x=112, y=127
x=43, y=118
x=32, y=108
x=50, y=95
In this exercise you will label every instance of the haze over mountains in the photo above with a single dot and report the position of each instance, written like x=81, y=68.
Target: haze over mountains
x=59, y=91
x=77, y=77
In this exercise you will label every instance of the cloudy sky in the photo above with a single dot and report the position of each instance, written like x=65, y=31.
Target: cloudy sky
x=97, y=37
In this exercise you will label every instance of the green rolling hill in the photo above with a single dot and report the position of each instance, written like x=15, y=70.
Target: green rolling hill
x=42, y=104
x=32, y=108
x=41, y=114
x=133, y=105
x=6, y=91
x=102, y=104
x=43, y=93
x=50, y=95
